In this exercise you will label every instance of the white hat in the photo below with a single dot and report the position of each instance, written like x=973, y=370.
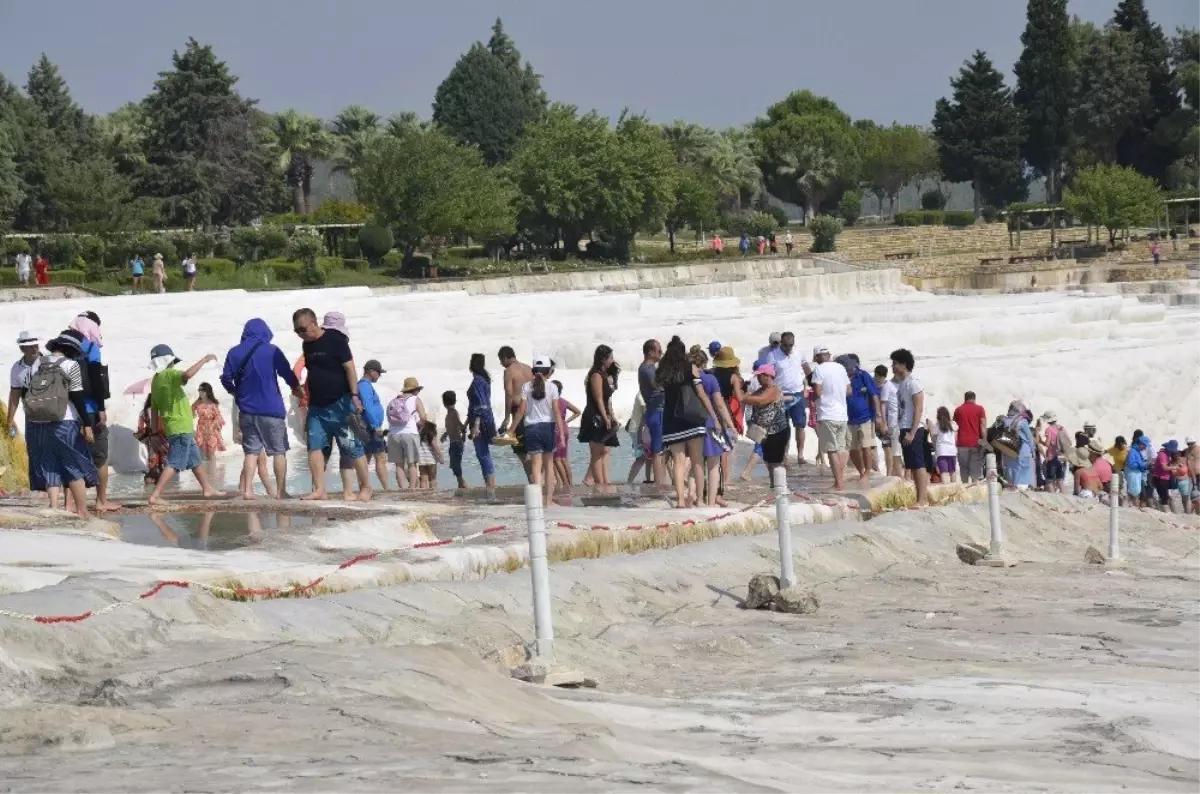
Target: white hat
x=1190, y=440
x=775, y=337
x=543, y=362
x=1050, y=417
x=820, y=350
x=27, y=339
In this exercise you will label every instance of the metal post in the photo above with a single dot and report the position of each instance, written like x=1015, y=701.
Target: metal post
x=1114, y=504
x=536, y=523
x=996, y=548
x=787, y=576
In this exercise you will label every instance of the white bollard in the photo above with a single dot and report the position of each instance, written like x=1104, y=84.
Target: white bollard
x=536, y=522
x=783, y=503
x=996, y=548
x=1114, y=504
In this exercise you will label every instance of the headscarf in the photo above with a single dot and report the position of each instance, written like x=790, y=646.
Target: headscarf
x=1016, y=408
x=88, y=328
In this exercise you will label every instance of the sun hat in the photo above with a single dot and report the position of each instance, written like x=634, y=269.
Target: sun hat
x=775, y=337
x=765, y=369
x=1050, y=417
x=1095, y=447
x=161, y=357
x=725, y=358
x=27, y=339
x=335, y=321
x=411, y=384
x=714, y=347
x=158, y=256
x=1171, y=446
x=374, y=366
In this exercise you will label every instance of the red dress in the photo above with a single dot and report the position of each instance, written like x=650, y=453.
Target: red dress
x=41, y=271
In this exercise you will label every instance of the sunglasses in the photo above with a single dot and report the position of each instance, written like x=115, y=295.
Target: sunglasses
x=301, y=330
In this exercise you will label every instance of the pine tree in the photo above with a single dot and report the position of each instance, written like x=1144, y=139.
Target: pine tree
x=206, y=147
x=979, y=134
x=487, y=100
x=1044, y=89
x=1141, y=147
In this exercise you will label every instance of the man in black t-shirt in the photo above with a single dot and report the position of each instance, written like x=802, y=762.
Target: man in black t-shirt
x=332, y=398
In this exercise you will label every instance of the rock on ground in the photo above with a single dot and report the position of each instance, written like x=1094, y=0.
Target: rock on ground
x=796, y=600
x=762, y=591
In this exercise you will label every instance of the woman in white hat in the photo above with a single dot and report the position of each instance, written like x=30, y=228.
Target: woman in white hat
x=543, y=425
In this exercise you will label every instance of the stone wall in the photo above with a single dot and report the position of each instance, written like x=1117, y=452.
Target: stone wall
x=1056, y=274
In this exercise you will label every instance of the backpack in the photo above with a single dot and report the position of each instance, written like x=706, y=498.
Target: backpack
x=48, y=395
x=398, y=411
x=1052, y=432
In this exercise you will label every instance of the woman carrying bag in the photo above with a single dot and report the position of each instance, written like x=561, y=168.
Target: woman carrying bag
x=768, y=424
x=685, y=418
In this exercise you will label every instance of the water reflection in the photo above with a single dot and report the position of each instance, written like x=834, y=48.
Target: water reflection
x=208, y=531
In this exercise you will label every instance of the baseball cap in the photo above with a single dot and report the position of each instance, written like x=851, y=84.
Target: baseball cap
x=714, y=347
x=775, y=337
x=543, y=362
x=765, y=369
x=820, y=350
x=374, y=366
x=159, y=351
x=27, y=339
x=1190, y=440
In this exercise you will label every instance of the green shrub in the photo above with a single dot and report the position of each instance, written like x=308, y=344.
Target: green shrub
x=67, y=276
x=958, y=218
x=198, y=243
x=94, y=268
x=16, y=245
x=824, y=229
x=60, y=249
x=392, y=261
x=919, y=218
x=933, y=200
x=274, y=242
x=281, y=269
x=223, y=268
x=375, y=242
x=755, y=224
x=244, y=244
x=356, y=264
x=287, y=219
x=990, y=213
x=8, y=277
x=331, y=263
x=850, y=207
x=336, y=210
x=779, y=214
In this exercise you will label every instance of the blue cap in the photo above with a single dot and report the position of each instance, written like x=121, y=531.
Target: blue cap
x=161, y=350
x=757, y=363
x=714, y=347
x=1171, y=446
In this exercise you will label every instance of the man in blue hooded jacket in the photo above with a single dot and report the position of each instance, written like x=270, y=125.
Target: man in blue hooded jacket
x=251, y=374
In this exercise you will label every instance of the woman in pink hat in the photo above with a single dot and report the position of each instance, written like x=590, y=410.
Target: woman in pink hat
x=768, y=421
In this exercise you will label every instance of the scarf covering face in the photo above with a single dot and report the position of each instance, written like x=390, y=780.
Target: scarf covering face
x=90, y=331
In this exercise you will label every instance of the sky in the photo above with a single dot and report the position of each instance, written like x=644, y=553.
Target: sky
x=717, y=63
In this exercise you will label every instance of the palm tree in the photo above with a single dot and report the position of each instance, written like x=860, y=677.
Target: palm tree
x=404, y=122
x=300, y=140
x=734, y=164
x=691, y=143
x=121, y=136
x=812, y=168
x=353, y=130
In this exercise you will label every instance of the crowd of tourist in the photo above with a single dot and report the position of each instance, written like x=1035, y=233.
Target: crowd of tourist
x=692, y=406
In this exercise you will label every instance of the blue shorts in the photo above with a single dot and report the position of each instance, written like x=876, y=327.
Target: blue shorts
x=796, y=411
x=329, y=424
x=483, y=451
x=182, y=452
x=263, y=433
x=376, y=446
x=456, y=453
x=1054, y=469
x=914, y=453
x=539, y=439
x=654, y=423
x=1135, y=481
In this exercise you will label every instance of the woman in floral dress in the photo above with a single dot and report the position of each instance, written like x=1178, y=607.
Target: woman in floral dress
x=209, y=423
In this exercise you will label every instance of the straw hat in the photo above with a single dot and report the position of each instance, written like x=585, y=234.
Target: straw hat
x=1095, y=447
x=411, y=385
x=726, y=359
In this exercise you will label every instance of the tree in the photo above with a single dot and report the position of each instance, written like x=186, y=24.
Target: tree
x=426, y=187
x=488, y=99
x=697, y=188
x=406, y=121
x=1111, y=90
x=122, y=138
x=11, y=191
x=208, y=158
x=354, y=129
x=54, y=108
x=979, y=134
x=637, y=190
x=1114, y=196
x=1045, y=89
x=808, y=150
x=733, y=163
x=1185, y=57
x=892, y=157
x=300, y=140
x=1143, y=145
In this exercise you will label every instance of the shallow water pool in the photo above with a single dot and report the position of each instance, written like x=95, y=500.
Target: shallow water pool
x=209, y=531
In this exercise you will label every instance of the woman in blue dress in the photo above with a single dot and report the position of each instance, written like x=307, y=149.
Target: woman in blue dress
x=481, y=423
x=1018, y=470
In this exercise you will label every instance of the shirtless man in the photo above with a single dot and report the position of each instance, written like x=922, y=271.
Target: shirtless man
x=516, y=375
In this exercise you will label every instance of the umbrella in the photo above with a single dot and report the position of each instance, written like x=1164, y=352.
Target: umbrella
x=141, y=387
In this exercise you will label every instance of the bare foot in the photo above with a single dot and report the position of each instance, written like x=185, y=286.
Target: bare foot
x=315, y=496
x=156, y=501
x=106, y=507
x=248, y=497
x=365, y=494
x=282, y=495
x=745, y=476
x=214, y=494
x=719, y=502
x=347, y=496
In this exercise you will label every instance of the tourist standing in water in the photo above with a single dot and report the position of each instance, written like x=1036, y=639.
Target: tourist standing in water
x=209, y=423
x=768, y=423
x=376, y=448
x=598, y=426
x=480, y=420
x=455, y=436
x=721, y=435
x=910, y=396
x=406, y=416
x=333, y=396
x=686, y=412
x=791, y=368
x=652, y=417
x=865, y=417
x=889, y=433
x=57, y=425
x=831, y=386
x=562, y=450
x=170, y=400
x=28, y=344
x=516, y=375
x=251, y=374
x=538, y=410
